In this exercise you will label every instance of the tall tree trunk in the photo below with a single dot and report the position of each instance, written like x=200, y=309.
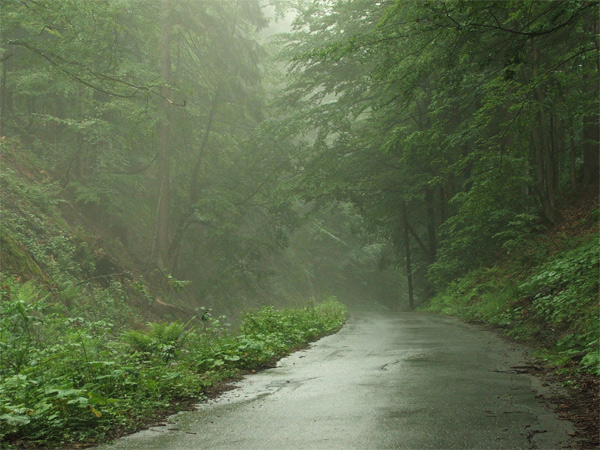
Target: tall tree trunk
x=443, y=213
x=591, y=139
x=554, y=151
x=572, y=158
x=409, y=279
x=194, y=189
x=418, y=240
x=5, y=101
x=546, y=165
x=591, y=131
x=430, y=223
x=194, y=196
x=164, y=138
x=591, y=160
x=543, y=151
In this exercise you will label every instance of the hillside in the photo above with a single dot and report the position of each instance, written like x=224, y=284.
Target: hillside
x=543, y=291
x=95, y=263
x=47, y=239
x=89, y=350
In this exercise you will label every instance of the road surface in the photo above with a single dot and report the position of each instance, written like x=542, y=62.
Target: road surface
x=385, y=381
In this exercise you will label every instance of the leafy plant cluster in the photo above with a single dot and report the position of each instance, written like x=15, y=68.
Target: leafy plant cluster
x=29, y=217
x=70, y=379
x=556, y=303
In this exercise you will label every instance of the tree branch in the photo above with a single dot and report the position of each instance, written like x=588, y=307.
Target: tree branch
x=500, y=27
x=52, y=60
x=421, y=244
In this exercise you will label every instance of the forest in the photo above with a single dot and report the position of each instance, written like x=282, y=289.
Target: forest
x=191, y=189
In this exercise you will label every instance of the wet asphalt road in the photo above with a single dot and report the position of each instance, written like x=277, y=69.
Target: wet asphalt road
x=385, y=381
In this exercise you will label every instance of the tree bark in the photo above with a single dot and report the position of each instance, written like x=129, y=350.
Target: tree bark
x=194, y=195
x=572, y=158
x=421, y=244
x=3, y=98
x=553, y=159
x=5, y=95
x=591, y=160
x=194, y=190
x=591, y=130
x=164, y=138
x=430, y=223
x=443, y=213
x=409, y=279
x=543, y=151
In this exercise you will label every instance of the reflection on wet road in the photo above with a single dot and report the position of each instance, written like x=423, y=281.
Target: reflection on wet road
x=395, y=381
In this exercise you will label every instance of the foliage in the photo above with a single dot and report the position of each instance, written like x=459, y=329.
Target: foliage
x=72, y=380
x=83, y=96
x=37, y=243
x=162, y=339
x=489, y=216
x=472, y=113
x=462, y=124
x=566, y=283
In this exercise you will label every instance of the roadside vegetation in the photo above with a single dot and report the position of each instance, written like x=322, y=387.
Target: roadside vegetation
x=554, y=304
x=543, y=291
x=66, y=380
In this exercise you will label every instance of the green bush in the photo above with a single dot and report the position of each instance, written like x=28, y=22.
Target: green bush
x=566, y=284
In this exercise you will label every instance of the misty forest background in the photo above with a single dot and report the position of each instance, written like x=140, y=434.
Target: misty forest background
x=169, y=159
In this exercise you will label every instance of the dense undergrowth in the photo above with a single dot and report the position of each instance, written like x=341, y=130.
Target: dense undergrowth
x=77, y=364
x=38, y=241
x=545, y=292
x=66, y=379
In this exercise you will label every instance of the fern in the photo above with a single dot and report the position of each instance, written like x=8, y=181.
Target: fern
x=162, y=340
x=139, y=342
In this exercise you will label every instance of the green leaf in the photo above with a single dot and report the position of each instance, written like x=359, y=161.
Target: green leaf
x=15, y=419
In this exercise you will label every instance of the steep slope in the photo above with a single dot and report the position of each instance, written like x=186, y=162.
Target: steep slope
x=47, y=239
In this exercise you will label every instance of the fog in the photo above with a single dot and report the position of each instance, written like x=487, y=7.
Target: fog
x=159, y=131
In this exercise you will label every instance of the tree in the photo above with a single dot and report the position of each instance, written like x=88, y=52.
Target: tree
x=148, y=114
x=164, y=137
x=467, y=101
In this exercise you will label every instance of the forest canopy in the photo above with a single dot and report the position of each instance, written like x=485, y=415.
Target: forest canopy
x=443, y=132
x=462, y=124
